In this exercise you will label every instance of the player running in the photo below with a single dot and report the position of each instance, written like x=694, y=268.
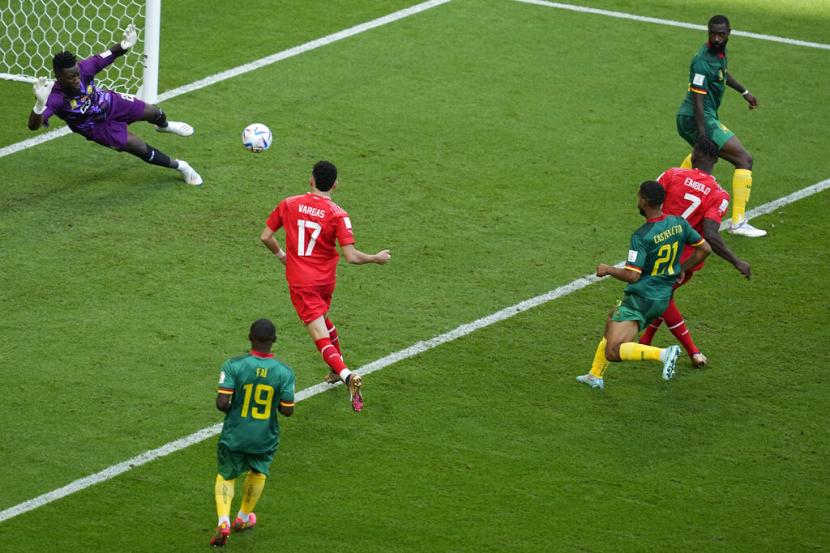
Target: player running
x=313, y=225
x=103, y=115
x=651, y=269
x=249, y=388
x=698, y=116
x=695, y=195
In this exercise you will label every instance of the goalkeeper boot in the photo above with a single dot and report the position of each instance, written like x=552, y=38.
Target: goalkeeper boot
x=331, y=378
x=176, y=127
x=745, y=229
x=240, y=524
x=355, y=383
x=699, y=360
x=669, y=357
x=591, y=380
x=189, y=174
x=220, y=538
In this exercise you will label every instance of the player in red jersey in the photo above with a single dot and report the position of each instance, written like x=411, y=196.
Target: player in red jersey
x=695, y=195
x=313, y=226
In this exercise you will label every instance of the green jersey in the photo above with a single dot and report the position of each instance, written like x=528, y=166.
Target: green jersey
x=655, y=254
x=258, y=382
x=707, y=76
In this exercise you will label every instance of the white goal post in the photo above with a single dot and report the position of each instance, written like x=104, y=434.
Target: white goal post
x=32, y=31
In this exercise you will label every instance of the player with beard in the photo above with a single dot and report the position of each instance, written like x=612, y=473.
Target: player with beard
x=698, y=116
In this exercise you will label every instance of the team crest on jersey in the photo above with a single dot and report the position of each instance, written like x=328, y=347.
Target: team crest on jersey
x=89, y=89
x=73, y=103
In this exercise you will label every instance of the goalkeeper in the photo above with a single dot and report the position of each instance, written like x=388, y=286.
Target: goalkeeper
x=103, y=115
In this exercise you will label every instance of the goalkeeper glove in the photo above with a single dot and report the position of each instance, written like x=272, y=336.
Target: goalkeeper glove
x=130, y=37
x=42, y=88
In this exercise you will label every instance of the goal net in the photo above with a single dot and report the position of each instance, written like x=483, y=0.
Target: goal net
x=32, y=31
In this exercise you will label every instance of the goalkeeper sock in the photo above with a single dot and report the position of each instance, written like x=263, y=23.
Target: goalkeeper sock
x=687, y=162
x=155, y=157
x=741, y=187
x=651, y=330
x=223, y=490
x=600, y=363
x=251, y=492
x=677, y=325
x=159, y=120
x=631, y=351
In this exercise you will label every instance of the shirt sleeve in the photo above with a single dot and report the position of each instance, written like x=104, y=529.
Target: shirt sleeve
x=287, y=390
x=345, y=235
x=53, y=102
x=698, y=77
x=636, y=254
x=274, y=221
x=665, y=178
x=717, y=208
x=226, y=379
x=93, y=64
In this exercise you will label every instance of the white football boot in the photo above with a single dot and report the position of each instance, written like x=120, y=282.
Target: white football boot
x=189, y=174
x=591, y=380
x=669, y=358
x=176, y=127
x=745, y=229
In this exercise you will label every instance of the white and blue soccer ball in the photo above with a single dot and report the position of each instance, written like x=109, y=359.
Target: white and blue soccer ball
x=256, y=137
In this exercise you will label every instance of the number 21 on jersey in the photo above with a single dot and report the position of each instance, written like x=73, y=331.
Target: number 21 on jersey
x=303, y=248
x=665, y=259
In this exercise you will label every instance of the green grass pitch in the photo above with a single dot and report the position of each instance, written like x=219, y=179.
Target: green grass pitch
x=495, y=147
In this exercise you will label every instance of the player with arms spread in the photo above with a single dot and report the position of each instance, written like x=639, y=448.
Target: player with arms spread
x=652, y=267
x=253, y=388
x=695, y=195
x=314, y=225
x=698, y=116
x=103, y=115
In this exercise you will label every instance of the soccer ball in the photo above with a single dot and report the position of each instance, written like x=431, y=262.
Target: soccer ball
x=256, y=137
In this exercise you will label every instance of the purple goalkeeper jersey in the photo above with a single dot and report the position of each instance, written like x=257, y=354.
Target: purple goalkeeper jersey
x=92, y=105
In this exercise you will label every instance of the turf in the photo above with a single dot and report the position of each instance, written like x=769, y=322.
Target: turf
x=495, y=148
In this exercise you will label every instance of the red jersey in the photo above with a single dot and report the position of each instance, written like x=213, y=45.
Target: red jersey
x=312, y=224
x=694, y=195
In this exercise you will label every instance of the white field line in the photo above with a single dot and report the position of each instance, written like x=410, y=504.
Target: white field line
x=391, y=359
x=248, y=67
x=672, y=23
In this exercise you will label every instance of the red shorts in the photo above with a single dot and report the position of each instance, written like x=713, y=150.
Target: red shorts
x=311, y=302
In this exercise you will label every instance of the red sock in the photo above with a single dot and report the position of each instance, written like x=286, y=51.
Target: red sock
x=675, y=322
x=330, y=355
x=335, y=340
x=650, y=331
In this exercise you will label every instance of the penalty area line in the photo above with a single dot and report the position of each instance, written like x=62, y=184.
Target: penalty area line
x=383, y=362
x=246, y=68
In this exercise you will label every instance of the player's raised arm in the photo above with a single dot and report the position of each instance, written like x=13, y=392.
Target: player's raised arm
x=42, y=88
x=357, y=257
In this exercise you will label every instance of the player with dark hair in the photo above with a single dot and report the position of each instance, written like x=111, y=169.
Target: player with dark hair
x=651, y=269
x=695, y=195
x=698, y=116
x=103, y=115
x=249, y=387
x=314, y=225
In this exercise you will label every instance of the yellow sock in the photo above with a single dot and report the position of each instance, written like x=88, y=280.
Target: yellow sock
x=223, y=489
x=741, y=187
x=251, y=491
x=600, y=362
x=632, y=351
x=687, y=162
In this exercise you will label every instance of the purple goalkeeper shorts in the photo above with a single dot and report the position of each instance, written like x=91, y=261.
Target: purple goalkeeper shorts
x=112, y=132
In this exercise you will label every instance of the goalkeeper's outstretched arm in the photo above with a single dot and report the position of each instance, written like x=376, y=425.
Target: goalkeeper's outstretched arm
x=42, y=88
